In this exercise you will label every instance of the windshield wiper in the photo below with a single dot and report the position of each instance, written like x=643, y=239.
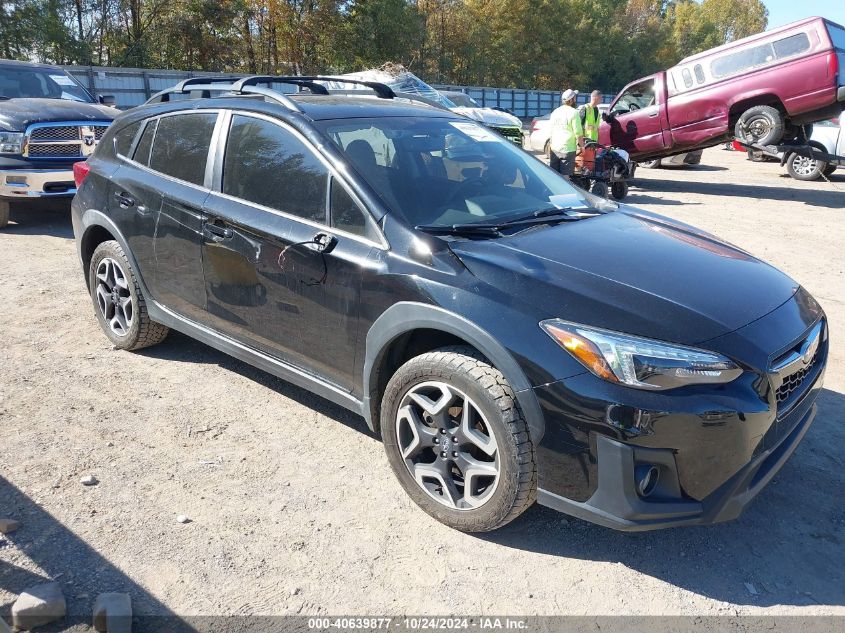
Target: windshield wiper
x=539, y=216
x=460, y=229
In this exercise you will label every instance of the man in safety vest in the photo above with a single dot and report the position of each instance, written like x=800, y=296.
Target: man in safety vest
x=591, y=117
x=567, y=134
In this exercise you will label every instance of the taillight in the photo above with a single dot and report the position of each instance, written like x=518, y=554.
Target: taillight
x=80, y=170
x=832, y=64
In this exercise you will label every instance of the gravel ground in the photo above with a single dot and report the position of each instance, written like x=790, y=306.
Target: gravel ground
x=292, y=503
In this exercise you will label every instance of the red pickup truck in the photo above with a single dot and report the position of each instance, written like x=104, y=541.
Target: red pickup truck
x=761, y=89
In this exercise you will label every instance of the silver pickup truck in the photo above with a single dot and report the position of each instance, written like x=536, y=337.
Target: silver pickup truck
x=827, y=136
x=48, y=122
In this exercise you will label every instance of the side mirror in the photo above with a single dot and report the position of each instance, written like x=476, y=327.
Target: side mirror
x=107, y=100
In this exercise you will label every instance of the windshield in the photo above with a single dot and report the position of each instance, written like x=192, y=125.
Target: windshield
x=441, y=172
x=462, y=100
x=26, y=82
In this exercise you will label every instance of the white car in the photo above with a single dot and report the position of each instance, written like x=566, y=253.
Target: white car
x=827, y=136
x=501, y=121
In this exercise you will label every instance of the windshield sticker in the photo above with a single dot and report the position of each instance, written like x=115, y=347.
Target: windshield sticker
x=62, y=80
x=474, y=131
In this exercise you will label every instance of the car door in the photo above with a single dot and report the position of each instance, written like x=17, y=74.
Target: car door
x=634, y=122
x=134, y=199
x=179, y=157
x=285, y=244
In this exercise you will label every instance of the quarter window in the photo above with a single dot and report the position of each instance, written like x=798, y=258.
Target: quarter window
x=793, y=45
x=181, y=146
x=145, y=143
x=347, y=216
x=123, y=139
x=268, y=165
x=687, y=77
x=742, y=60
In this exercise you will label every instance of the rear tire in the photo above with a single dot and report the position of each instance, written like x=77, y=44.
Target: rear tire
x=651, y=164
x=599, y=189
x=828, y=171
x=619, y=190
x=473, y=473
x=803, y=168
x=763, y=125
x=4, y=213
x=118, y=302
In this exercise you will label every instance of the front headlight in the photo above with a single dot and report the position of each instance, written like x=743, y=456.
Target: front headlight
x=11, y=142
x=639, y=362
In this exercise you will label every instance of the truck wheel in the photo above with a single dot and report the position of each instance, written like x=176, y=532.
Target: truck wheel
x=803, y=168
x=619, y=190
x=651, y=164
x=762, y=125
x=4, y=214
x=456, y=440
x=828, y=171
x=118, y=303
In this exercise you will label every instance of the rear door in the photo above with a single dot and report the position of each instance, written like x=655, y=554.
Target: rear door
x=180, y=159
x=285, y=246
x=635, y=122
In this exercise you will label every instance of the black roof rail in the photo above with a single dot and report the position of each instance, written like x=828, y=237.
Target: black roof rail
x=282, y=79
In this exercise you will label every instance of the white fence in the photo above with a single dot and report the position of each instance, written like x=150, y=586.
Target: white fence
x=133, y=86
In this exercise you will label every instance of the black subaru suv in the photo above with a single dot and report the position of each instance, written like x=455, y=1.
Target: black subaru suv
x=510, y=337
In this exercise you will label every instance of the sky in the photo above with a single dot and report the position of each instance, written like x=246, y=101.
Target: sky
x=785, y=11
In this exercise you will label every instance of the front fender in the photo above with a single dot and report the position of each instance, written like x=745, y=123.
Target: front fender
x=405, y=317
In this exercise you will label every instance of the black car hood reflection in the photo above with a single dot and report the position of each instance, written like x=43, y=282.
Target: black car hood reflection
x=16, y=114
x=630, y=271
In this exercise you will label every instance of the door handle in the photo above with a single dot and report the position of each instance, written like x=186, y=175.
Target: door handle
x=654, y=115
x=217, y=233
x=124, y=200
x=324, y=242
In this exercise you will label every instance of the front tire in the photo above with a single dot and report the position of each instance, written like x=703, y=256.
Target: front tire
x=619, y=190
x=803, y=168
x=118, y=302
x=762, y=125
x=456, y=440
x=4, y=213
x=599, y=189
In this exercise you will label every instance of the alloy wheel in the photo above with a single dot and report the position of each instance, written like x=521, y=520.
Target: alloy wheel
x=113, y=296
x=804, y=166
x=447, y=445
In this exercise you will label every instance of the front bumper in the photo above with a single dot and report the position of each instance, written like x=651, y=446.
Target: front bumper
x=37, y=183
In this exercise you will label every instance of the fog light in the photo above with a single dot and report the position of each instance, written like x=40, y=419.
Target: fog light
x=646, y=479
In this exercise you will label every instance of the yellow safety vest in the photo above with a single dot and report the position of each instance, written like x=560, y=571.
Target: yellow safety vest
x=592, y=120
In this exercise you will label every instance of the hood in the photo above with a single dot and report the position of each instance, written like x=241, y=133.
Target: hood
x=489, y=116
x=633, y=272
x=16, y=114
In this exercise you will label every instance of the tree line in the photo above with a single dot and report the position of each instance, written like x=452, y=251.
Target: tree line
x=544, y=44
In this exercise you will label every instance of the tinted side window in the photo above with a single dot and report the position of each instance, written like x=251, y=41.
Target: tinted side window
x=181, y=146
x=743, y=60
x=793, y=45
x=268, y=165
x=699, y=74
x=123, y=139
x=145, y=143
x=687, y=77
x=347, y=216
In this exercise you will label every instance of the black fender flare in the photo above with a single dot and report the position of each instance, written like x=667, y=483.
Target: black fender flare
x=407, y=316
x=95, y=218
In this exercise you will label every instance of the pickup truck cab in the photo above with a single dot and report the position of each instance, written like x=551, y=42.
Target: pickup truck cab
x=760, y=89
x=48, y=122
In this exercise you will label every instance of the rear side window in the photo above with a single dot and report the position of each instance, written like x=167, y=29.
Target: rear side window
x=742, y=60
x=699, y=74
x=687, y=77
x=793, y=45
x=181, y=146
x=145, y=143
x=123, y=139
x=268, y=165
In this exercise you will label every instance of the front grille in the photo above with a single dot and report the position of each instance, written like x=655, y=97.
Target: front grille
x=793, y=381
x=47, y=150
x=511, y=133
x=64, y=140
x=56, y=133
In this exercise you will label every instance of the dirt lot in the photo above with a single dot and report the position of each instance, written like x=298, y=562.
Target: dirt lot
x=293, y=505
